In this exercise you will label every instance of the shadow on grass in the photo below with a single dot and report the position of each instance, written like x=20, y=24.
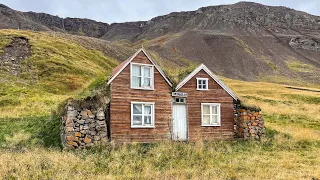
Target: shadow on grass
x=43, y=131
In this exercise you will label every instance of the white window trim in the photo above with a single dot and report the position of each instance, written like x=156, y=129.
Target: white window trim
x=152, y=115
x=207, y=81
x=219, y=114
x=142, y=74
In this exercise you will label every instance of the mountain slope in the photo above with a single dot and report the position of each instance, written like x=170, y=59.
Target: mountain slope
x=247, y=41
x=39, y=70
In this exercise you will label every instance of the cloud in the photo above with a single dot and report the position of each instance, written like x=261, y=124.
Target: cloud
x=134, y=10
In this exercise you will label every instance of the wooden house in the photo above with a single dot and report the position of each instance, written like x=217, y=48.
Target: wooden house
x=145, y=107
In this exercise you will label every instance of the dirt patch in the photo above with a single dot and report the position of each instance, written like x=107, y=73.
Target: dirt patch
x=13, y=55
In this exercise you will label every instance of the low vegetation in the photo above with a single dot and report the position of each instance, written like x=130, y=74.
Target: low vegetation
x=30, y=146
x=298, y=66
x=60, y=69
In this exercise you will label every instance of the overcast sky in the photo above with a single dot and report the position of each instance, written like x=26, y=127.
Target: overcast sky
x=134, y=10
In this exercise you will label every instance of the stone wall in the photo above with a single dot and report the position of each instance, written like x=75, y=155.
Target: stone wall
x=83, y=125
x=249, y=124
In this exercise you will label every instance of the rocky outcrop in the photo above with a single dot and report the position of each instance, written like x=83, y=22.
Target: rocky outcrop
x=83, y=126
x=13, y=55
x=249, y=124
x=236, y=18
x=305, y=43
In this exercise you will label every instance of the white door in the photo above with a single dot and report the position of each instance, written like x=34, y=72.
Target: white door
x=179, y=114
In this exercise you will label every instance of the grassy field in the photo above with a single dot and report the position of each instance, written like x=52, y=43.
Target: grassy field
x=30, y=146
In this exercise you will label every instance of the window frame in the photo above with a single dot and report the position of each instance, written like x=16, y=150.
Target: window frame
x=152, y=104
x=207, y=83
x=218, y=115
x=142, y=76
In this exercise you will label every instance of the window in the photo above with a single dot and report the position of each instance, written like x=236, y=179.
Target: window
x=180, y=100
x=202, y=83
x=210, y=113
x=141, y=76
x=142, y=115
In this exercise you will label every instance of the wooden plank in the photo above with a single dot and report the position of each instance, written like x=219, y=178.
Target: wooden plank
x=215, y=94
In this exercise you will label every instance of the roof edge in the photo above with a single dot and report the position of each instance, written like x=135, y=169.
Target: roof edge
x=150, y=59
x=211, y=74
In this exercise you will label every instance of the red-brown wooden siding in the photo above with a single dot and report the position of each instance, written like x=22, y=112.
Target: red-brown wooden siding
x=120, y=107
x=215, y=94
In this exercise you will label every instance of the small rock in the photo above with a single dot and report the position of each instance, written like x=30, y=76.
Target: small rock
x=72, y=143
x=87, y=140
x=69, y=129
x=81, y=121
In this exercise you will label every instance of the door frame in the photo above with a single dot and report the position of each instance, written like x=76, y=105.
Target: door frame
x=187, y=121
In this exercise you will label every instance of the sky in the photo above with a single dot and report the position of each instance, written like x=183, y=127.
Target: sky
x=111, y=11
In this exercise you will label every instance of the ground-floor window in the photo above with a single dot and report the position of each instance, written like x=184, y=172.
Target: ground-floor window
x=210, y=114
x=142, y=114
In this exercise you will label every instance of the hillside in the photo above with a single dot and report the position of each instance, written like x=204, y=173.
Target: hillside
x=39, y=70
x=246, y=41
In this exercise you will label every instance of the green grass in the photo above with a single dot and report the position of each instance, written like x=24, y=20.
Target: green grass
x=303, y=98
x=60, y=69
x=298, y=66
x=19, y=133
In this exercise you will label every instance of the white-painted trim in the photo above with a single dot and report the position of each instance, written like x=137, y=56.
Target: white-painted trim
x=213, y=76
x=207, y=83
x=152, y=114
x=142, y=76
x=129, y=61
x=219, y=114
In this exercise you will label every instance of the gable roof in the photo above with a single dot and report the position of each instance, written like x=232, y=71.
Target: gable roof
x=116, y=71
x=213, y=76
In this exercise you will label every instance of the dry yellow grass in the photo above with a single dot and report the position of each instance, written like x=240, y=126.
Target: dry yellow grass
x=163, y=161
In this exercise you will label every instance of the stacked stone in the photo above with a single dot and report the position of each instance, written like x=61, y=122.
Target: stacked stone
x=83, y=128
x=250, y=124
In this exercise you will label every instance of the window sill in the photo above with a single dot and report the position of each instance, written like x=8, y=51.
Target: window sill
x=214, y=125
x=151, y=127
x=148, y=89
x=202, y=89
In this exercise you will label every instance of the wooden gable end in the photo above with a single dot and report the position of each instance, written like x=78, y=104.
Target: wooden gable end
x=120, y=106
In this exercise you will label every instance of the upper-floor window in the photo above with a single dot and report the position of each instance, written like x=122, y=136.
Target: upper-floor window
x=142, y=76
x=202, y=83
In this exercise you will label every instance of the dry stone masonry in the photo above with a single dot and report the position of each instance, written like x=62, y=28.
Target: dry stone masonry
x=83, y=126
x=249, y=124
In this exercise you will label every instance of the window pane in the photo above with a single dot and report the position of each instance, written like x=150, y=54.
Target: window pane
x=205, y=119
x=146, y=82
x=147, y=120
x=204, y=86
x=214, y=109
x=136, y=70
x=206, y=109
x=137, y=109
x=137, y=120
x=136, y=82
x=214, y=119
x=147, y=72
x=147, y=110
x=199, y=82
